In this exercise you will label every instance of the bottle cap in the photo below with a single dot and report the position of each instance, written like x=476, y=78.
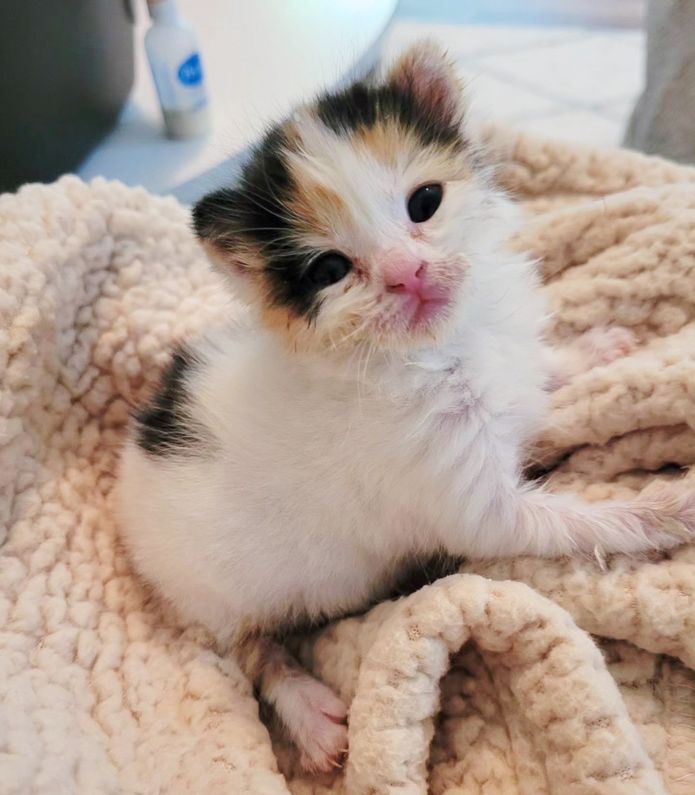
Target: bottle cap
x=158, y=8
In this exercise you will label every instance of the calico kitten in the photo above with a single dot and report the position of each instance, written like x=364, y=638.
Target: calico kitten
x=375, y=405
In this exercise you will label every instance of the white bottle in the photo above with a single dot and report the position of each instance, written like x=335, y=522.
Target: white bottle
x=176, y=67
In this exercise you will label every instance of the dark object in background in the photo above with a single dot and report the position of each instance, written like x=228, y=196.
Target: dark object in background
x=663, y=121
x=66, y=70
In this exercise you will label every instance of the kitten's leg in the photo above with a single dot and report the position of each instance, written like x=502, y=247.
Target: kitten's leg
x=554, y=525
x=594, y=348
x=312, y=714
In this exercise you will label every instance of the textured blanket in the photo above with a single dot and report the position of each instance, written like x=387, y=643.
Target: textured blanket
x=484, y=682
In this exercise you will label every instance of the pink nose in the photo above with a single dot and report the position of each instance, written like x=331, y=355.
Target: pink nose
x=407, y=278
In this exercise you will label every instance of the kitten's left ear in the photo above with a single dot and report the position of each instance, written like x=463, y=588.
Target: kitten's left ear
x=425, y=71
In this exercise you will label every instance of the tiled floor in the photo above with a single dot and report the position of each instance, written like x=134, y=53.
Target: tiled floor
x=573, y=83
x=591, y=13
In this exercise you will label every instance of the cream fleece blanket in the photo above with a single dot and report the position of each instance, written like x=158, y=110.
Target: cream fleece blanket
x=485, y=682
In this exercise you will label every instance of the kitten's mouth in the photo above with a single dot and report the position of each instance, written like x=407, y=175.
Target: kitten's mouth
x=417, y=312
x=426, y=311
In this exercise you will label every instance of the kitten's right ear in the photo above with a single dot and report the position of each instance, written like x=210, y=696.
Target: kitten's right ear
x=215, y=222
x=214, y=215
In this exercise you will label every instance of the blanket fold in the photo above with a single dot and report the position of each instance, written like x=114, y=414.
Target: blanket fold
x=551, y=675
x=484, y=682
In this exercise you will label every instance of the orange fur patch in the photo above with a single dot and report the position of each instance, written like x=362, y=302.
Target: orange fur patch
x=386, y=142
x=285, y=321
x=246, y=260
x=395, y=146
x=315, y=208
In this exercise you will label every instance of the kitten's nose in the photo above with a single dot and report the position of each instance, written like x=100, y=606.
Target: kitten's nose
x=406, y=277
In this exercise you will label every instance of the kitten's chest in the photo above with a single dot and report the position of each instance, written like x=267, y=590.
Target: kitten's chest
x=477, y=387
x=442, y=407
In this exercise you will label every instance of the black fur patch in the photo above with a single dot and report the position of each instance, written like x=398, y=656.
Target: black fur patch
x=363, y=106
x=164, y=426
x=257, y=211
x=418, y=572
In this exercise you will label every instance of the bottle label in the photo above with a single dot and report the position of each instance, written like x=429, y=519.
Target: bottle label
x=191, y=72
x=180, y=83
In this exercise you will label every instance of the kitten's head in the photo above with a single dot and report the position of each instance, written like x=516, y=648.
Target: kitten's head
x=356, y=219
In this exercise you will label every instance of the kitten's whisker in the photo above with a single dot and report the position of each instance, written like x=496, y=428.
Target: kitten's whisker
x=274, y=208
x=356, y=330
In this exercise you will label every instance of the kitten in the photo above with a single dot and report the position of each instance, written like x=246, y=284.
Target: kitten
x=375, y=405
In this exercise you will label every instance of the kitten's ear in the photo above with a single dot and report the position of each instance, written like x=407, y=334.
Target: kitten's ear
x=425, y=71
x=215, y=223
x=214, y=214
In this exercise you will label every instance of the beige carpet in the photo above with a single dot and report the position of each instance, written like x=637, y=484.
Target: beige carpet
x=481, y=683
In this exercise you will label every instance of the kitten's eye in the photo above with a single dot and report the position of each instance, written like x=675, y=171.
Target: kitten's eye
x=424, y=202
x=328, y=269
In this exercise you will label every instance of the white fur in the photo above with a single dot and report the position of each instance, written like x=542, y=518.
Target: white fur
x=326, y=466
x=324, y=469
x=323, y=474
x=327, y=469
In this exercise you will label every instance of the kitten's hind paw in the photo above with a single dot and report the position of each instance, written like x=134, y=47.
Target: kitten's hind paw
x=315, y=719
x=320, y=729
